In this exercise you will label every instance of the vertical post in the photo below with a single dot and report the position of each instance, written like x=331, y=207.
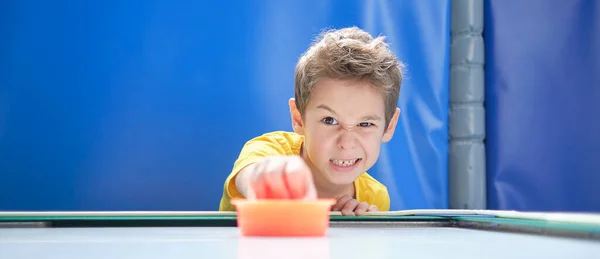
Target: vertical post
x=466, y=153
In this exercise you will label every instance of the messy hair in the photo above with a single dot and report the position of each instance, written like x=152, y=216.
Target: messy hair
x=349, y=54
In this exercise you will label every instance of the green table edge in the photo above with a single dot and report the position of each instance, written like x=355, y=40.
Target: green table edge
x=227, y=217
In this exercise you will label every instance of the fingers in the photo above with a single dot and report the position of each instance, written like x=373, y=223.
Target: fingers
x=349, y=207
x=372, y=208
x=311, y=191
x=274, y=180
x=298, y=179
x=282, y=178
x=341, y=202
x=361, y=209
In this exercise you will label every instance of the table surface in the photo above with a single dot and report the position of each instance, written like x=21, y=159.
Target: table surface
x=464, y=234
x=350, y=241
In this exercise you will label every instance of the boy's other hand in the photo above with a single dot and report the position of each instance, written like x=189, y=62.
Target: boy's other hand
x=349, y=206
x=281, y=177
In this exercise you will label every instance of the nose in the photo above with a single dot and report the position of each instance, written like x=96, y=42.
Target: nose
x=346, y=140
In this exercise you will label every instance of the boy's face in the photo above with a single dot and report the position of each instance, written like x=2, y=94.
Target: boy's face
x=343, y=126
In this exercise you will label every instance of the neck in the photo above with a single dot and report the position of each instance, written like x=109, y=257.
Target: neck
x=326, y=189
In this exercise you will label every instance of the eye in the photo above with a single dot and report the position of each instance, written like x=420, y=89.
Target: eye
x=329, y=121
x=366, y=124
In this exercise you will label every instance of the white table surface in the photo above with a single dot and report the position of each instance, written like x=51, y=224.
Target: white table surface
x=341, y=242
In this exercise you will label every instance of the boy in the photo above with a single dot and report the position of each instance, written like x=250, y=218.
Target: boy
x=344, y=106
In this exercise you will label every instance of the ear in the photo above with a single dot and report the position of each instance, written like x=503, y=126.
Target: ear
x=389, y=131
x=297, y=123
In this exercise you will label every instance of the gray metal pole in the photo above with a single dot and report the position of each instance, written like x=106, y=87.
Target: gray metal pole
x=466, y=154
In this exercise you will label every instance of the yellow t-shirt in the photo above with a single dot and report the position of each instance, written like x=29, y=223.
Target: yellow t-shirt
x=367, y=189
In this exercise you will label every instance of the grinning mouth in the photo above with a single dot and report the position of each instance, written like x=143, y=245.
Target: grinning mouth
x=345, y=162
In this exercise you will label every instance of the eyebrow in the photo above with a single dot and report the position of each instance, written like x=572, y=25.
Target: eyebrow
x=368, y=117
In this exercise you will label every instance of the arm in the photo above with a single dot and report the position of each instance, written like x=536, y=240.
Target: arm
x=254, y=152
x=243, y=179
x=269, y=168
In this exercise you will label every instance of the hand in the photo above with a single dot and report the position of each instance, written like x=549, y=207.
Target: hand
x=281, y=177
x=349, y=206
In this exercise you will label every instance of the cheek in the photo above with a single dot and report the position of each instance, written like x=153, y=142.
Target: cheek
x=322, y=141
x=371, y=145
x=321, y=135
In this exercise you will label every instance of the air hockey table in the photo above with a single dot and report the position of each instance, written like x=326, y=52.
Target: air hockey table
x=446, y=234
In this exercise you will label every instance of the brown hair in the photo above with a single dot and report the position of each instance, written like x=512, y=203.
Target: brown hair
x=349, y=54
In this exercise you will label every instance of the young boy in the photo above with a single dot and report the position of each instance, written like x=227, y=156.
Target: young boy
x=344, y=106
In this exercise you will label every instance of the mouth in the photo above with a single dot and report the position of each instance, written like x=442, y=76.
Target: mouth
x=345, y=162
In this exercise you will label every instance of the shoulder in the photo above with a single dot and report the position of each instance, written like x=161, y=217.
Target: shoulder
x=369, y=181
x=372, y=191
x=285, y=142
x=284, y=137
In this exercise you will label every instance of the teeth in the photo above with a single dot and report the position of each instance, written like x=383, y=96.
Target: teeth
x=344, y=162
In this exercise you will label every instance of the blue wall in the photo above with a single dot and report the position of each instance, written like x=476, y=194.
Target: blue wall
x=543, y=104
x=144, y=105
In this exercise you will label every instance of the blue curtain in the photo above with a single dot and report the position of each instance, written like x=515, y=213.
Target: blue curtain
x=543, y=108
x=144, y=105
